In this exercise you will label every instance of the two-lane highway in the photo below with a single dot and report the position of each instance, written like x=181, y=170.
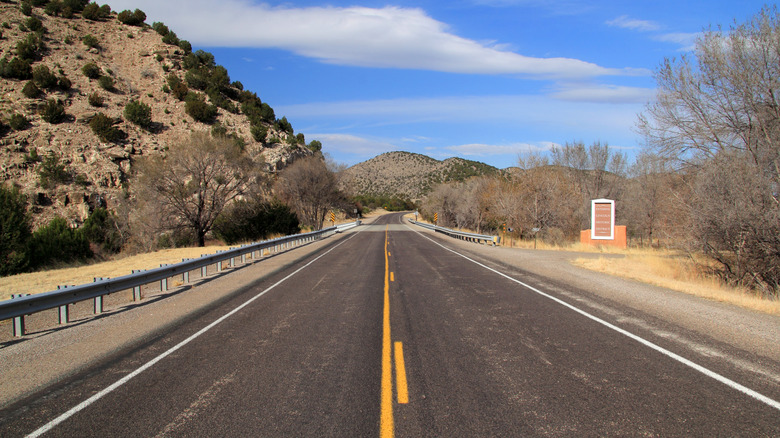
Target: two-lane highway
x=388, y=331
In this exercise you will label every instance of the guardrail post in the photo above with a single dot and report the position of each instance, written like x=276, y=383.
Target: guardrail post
x=63, y=313
x=98, y=300
x=203, y=269
x=164, y=281
x=18, y=322
x=185, y=276
x=137, y=289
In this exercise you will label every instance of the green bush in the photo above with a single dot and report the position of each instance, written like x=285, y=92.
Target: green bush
x=14, y=231
x=160, y=28
x=26, y=8
x=34, y=24
x=18, y=122
x=94, y=12
x=54, y=8
x=75, y=5
x=199, y=110
x=171, y=38
x=64, y=83
x=95, y=99
x=43, y=77
x=15, y=68
x=103, y=127
x=102, y=228
x=53, y=111
x=178, y=88
x=185, y=46
x=31, y=90
x=246, y=221
x=91, y=70
x=57, y=243
x=29, y=47
x=284, y=126
x=106, y=83
x=135, y=18
x=196, y=80
x=90, y=41
x=52, y=172
x=139, y=113
x=259, y=133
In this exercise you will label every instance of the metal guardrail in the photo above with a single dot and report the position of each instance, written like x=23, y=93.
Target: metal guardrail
x=23, y=304
x=471, y=237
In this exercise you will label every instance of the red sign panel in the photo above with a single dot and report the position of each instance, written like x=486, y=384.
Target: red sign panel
x=603, y=221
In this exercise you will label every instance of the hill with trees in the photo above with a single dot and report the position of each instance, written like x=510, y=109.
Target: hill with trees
x=117, y=135
x=407, y=175
x=89, y=92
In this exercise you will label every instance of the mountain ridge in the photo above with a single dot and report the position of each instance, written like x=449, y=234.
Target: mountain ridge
x=408, y=175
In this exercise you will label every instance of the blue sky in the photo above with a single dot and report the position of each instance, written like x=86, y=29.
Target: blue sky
x=485, y=80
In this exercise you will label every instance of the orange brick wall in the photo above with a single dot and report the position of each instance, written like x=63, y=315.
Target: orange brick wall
x=620, y=241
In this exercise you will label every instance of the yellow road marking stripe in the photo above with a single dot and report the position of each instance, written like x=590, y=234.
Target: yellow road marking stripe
x=392, y=276
x=386, y=403
x=400, y=374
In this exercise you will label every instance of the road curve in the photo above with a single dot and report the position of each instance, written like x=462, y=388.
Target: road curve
x=390, y=331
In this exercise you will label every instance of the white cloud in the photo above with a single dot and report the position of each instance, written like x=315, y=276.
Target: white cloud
x=625, y=22
x=481, y=150
x=605, y=94
x=352, y=144
x=390, y=37
x=686, y=41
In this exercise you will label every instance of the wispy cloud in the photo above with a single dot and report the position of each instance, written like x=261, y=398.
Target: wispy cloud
x=626, y=22
x=604, y=94
x=388, y=37
x=353, y=144
x=686, y=41
x=482, y=150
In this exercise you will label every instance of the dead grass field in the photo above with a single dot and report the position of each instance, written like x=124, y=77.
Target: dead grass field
x=45, y=281
x=676, y=272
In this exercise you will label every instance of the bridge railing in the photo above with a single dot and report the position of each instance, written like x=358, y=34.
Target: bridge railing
x=471, y=237
x=24, y=304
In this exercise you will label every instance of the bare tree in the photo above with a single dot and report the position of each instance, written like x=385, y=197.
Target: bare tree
x=189, y=187
x=597, y=170
x=717, y=116
x=310, y=188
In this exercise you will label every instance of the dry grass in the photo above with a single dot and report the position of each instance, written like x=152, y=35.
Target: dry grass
x=44, y=281
x=676, y=272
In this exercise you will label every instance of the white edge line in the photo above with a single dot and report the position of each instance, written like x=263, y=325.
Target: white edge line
x=81, y=406
x=707, y=372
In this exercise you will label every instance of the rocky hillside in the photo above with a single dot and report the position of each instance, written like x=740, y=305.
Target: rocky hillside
x=408, y=175
x=57, y=157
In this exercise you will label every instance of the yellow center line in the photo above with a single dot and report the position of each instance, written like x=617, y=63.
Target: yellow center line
x=400, y=374
x=386, y=403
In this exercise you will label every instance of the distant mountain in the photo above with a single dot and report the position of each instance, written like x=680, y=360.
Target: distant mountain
x=408, y=175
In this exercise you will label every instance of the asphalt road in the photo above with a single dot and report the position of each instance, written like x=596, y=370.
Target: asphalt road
x=388, y=332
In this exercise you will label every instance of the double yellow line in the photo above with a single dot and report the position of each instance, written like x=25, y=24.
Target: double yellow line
x=386, y=425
